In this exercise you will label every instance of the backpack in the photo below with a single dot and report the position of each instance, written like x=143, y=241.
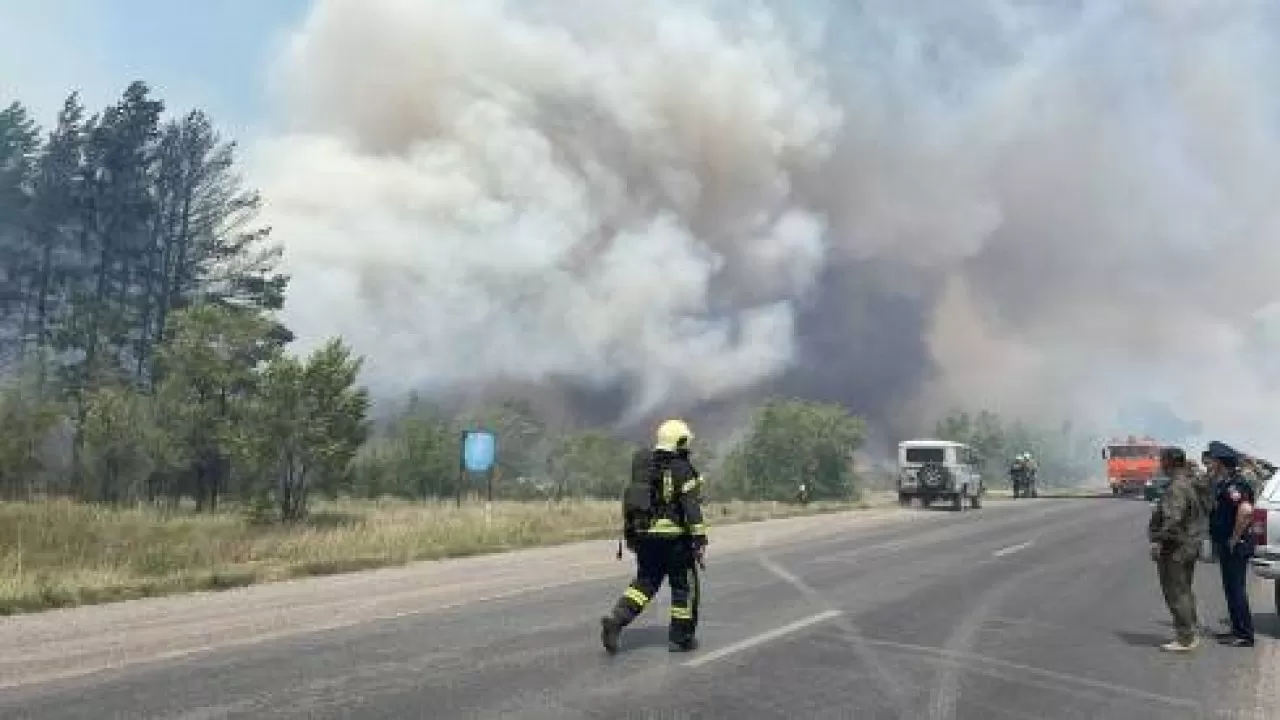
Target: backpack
x=640, y=497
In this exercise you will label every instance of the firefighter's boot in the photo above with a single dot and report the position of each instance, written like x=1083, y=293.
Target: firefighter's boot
x=610, y=631
x=686, y=645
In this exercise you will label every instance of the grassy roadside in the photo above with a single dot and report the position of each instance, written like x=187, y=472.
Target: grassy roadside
x=60, y=554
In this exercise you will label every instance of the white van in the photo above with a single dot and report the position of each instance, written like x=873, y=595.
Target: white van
x=939, y=469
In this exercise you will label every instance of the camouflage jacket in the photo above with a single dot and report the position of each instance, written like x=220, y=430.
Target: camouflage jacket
x=1180, y=519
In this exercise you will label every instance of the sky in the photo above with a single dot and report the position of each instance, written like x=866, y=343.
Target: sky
x=211, y=54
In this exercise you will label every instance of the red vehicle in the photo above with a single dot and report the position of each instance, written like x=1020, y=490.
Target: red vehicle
x=1132, y=464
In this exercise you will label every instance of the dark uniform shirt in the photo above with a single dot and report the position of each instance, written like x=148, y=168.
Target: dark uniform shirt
x=1229, y=493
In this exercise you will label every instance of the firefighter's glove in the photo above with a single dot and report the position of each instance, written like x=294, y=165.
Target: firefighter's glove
x=700, y=551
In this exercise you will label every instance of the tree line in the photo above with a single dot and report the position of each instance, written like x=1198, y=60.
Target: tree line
x=144, y=360
x=789, y=441
x=137, y=320
x=1065, y=457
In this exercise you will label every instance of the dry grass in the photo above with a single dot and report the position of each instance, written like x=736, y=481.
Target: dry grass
x=59, y=553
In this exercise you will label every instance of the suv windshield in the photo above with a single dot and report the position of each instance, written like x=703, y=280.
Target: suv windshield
x=926, y=455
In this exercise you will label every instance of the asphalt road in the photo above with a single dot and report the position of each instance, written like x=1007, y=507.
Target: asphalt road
x=1034, y=609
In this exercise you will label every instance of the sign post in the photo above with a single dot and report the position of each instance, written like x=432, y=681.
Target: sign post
x=479, y=455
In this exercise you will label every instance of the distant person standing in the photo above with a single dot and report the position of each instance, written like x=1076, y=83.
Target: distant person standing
x=1178, y=525
x=1229, y=530
x=802, y=495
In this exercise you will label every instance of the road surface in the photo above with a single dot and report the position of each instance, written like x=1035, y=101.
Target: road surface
x=1030, y=609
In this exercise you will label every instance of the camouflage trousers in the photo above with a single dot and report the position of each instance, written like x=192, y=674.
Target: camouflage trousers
x=1176, y=576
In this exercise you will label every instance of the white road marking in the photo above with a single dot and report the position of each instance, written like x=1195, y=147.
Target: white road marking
x=1011, y=549
x=762, y=638
x=1003, y=668
x=854, y=635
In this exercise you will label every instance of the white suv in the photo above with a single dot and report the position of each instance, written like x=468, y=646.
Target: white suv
x=939, y=469
x=1266, y=531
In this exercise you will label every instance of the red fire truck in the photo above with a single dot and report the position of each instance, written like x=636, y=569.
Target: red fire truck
x=1132, y=464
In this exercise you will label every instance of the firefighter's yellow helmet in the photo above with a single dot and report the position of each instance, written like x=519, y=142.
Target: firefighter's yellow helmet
x=670, y=433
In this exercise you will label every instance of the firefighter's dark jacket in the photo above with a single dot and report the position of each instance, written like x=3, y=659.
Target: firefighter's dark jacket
x=678, y=511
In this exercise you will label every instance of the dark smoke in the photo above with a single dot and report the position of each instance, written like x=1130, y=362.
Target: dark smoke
x=863, y=344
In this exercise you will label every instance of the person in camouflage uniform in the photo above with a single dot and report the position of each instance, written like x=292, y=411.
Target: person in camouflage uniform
x=1179, y=523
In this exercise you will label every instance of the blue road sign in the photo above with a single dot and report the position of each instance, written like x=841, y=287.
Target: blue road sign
x=479, y=450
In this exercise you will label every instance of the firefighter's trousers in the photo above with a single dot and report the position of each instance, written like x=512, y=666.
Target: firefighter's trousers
x=659, y=558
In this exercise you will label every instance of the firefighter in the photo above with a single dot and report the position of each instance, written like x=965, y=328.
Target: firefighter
x=1021, y=473
x=663, y=526
x=1033, y=472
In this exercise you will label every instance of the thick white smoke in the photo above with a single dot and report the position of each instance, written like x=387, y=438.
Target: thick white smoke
x=469, y=193
x=679, y=197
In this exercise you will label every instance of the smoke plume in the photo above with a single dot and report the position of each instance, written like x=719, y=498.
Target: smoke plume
x=1054, y=209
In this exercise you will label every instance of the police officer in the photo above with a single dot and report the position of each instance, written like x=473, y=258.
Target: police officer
x=1229, y=530
x=1178, y=524
x=669, y=546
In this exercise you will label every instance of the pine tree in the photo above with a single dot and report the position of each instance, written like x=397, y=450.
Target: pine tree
x=19, y=146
